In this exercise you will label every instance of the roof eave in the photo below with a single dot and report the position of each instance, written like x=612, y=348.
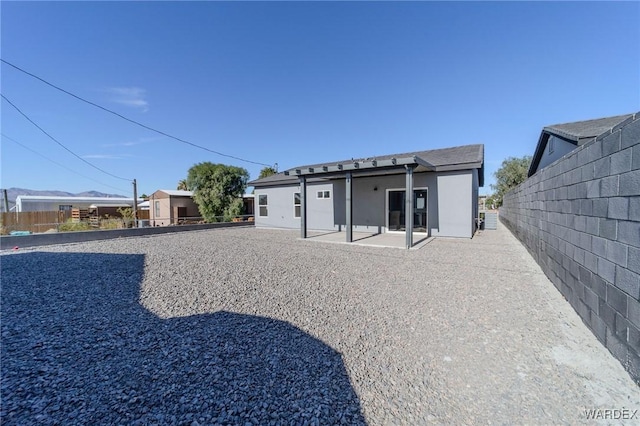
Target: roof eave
x=328, y=169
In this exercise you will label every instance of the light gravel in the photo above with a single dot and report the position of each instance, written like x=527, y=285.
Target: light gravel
x=249, y=326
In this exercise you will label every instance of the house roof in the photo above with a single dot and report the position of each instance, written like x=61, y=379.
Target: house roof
x=55, y=198
x=176, y=192
x=578, y=133
x=454, y=158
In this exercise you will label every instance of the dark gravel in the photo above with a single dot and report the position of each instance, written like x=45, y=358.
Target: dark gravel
x=247, y=326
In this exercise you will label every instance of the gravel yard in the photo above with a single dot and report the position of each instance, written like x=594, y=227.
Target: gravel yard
x=248, y=326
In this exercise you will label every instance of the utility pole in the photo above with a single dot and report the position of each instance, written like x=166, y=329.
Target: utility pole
x=6, y=201
x=135, y=204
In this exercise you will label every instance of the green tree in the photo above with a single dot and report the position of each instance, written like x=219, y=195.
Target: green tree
x=182, y=185
x=267, y=171
x=511, y=173
x=217, y=189
x=490, y=202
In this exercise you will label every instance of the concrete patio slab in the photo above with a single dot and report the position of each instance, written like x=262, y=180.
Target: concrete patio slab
x=370, y=239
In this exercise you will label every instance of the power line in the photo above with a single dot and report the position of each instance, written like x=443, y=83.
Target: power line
x=59, y=143
x=131, y=120
x=58, y=164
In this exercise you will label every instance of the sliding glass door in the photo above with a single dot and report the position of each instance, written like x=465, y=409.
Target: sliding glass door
x=396, y=206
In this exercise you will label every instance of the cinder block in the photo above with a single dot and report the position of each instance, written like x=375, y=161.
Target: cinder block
x=586, y=207
x=611, y=144
x=600, y=207
x=599, y=286
x=609, y=186
x=584, y=275
x=621, y=161
x=591, y=300
x=591, y=261
x=561, y=193
x=634, y=208
x=633, y=314
x=618, y=208
x=581, y=190
x=630, y=134
x=569, y=249
x=602, y=167
x=633, y=365
x=586, y=172
x=633, y=337
x=629, y=232
x=618, y=348
x=571, y=192
x=594, y=151
x=593, y=188
x=617, y=299
x=599, y=246
x=607, y=270
x=569, y=163
x=621, y=328
x=581, y=155
x=580, y=223
x=635, y=157
x=599, y=328
x=633, y=259
x=617, y=253
x=576, y=288
x=609, y=229
x=574, y=271
x=584, y=311
x=607, y=313
x=628, y=281
x=593, y=225
x=630, y=183
x=584, y=241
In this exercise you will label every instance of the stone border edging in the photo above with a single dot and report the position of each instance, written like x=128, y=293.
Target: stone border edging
x=9, y=241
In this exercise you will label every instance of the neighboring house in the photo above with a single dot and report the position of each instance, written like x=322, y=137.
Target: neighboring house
x=370, y=194
x=31, y=203
x=169, y=206
x=560, y=139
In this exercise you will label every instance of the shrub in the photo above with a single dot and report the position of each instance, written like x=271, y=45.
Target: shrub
x=70, y=225
x=111, y=224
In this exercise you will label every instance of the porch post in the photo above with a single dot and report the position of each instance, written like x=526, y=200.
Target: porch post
x=348, y=208
x=408, y=210
x=303, y=207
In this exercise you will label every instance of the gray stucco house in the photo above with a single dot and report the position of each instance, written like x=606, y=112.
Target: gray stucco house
x=558, y=140
x=370, y=194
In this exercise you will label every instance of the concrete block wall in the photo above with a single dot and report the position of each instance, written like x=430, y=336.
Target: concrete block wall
x=580, y=219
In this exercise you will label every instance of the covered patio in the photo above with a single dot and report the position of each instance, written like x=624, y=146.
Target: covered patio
x=369, y=167
x=370, y=239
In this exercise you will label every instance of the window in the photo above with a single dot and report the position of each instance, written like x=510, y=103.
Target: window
x=324, y=194
x=65, y=207
x=551, y=145
x=156, y=206
x=296, y=204
x=263, y=205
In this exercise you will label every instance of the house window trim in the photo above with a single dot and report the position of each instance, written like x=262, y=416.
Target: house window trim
x=156, y=208
x=551, y=145
x=266, y=205
x=299, y=205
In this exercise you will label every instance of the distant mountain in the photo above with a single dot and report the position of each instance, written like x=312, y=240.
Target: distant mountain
x=12, y=193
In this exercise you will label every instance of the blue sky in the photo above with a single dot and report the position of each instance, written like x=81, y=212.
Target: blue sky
x=299, y=82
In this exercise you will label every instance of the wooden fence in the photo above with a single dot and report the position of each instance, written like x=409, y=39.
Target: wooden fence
x=35, y=222
x=38, y=222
